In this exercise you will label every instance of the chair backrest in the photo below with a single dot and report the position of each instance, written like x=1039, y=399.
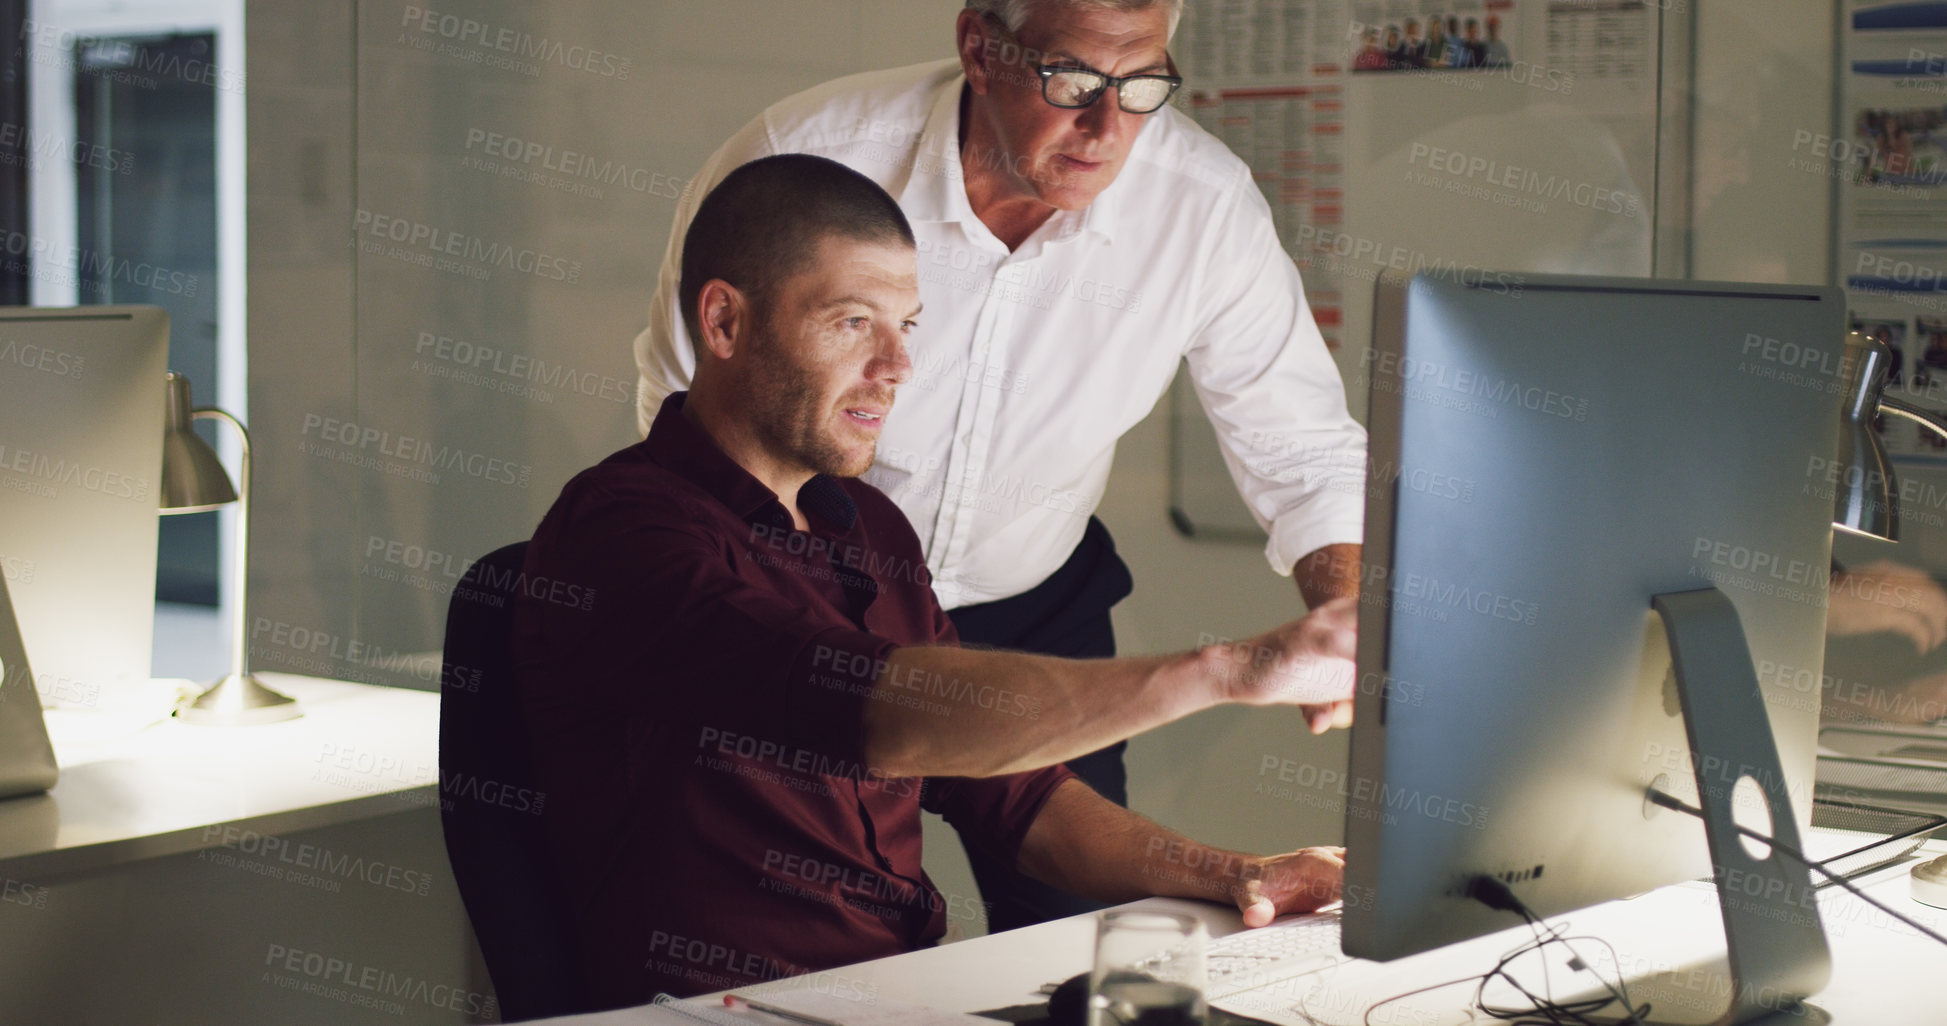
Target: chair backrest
x=497, y=848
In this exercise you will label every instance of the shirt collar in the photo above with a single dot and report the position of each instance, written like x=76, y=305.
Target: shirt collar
x=823, y=497
x=936, y=187
x=682, y=447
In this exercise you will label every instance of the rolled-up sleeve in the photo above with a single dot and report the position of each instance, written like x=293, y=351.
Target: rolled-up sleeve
x=1267, y=381
x=994, y=813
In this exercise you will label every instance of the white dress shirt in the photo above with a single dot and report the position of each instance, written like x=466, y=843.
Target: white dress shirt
x=1029, y=365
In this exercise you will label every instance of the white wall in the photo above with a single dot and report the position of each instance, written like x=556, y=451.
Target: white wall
x=1763, y=74
x=393, y=453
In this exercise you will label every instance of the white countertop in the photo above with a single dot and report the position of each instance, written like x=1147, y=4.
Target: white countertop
x=126, y=793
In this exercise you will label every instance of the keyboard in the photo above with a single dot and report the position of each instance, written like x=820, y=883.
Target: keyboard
x=1249, y=959
x=1882, y=776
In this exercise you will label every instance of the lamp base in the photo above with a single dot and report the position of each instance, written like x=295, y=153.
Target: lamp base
x=238, y=700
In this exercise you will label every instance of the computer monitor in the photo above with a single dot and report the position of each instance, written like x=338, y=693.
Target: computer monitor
x=81, y=419
x=1548, y=455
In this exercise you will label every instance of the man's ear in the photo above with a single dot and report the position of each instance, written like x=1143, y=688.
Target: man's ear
x=723, y=315
x=976, y=56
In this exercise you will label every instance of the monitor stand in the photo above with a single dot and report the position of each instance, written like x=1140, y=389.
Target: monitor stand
x=1775, y=949
x=27, y=764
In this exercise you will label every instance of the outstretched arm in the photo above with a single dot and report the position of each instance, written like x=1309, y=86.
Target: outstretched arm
x=987, y=713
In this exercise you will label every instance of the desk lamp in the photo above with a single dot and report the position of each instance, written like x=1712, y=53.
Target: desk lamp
x=1864, y=503
x=193, y=481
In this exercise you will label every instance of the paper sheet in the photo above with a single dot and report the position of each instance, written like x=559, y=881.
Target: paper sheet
x=841, y=1009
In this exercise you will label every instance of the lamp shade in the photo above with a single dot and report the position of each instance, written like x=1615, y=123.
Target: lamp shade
x=1863, y=499
x=193, y=481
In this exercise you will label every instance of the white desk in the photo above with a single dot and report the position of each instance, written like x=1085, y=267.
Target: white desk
x=1883, y=974
x=171, y=871
x=358, y=751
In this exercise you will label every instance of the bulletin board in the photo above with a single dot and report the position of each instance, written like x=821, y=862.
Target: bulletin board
x=1525, y=136
x=1887, y=157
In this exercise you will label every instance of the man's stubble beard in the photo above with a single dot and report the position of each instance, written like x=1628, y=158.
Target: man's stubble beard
x=791, y=415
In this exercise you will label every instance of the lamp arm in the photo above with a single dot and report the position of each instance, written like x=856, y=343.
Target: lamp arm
x=1925, y=418
x=240, y=568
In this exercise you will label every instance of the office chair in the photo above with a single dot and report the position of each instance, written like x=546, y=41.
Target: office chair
x=498, y=853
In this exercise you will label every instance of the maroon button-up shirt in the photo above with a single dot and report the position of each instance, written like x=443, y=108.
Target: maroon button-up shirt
x=695, y=696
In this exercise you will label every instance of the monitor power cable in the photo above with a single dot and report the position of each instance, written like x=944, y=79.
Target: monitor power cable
x=1544, y=1010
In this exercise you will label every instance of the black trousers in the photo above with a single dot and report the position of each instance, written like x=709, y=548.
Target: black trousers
x=1066, y=615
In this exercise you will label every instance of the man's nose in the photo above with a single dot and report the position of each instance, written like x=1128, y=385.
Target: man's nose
x=892, y=362
x=1103, y=118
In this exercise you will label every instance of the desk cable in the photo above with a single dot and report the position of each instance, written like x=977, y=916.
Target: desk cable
x=1546, y=1011
x=1671, y=802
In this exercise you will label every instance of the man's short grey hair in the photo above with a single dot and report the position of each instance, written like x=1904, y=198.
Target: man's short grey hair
x=1014, y=13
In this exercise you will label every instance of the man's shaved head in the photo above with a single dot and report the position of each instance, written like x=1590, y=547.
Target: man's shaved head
x=763, y=223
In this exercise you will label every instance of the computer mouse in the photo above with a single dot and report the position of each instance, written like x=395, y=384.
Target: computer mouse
x=1929, y=886
x=1068, y=1005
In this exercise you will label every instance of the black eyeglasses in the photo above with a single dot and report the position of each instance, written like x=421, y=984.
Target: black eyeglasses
x=1074, y=88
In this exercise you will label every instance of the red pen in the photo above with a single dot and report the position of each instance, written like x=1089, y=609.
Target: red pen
x=732, y=1001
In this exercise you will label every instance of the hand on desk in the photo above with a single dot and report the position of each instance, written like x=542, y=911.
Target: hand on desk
x=1888, y=596
x=1089, y=846
x=1279, y=885
x=1877, y=684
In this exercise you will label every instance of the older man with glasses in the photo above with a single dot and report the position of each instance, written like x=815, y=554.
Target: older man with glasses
x=1077, y=238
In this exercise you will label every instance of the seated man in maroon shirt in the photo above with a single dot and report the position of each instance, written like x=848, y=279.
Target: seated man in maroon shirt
x=737, y=734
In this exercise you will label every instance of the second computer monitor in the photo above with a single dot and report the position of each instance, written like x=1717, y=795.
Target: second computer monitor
x=1547, y=454
x=81, y=401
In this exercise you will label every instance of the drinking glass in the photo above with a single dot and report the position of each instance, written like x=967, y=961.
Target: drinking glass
x=1149, y=970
